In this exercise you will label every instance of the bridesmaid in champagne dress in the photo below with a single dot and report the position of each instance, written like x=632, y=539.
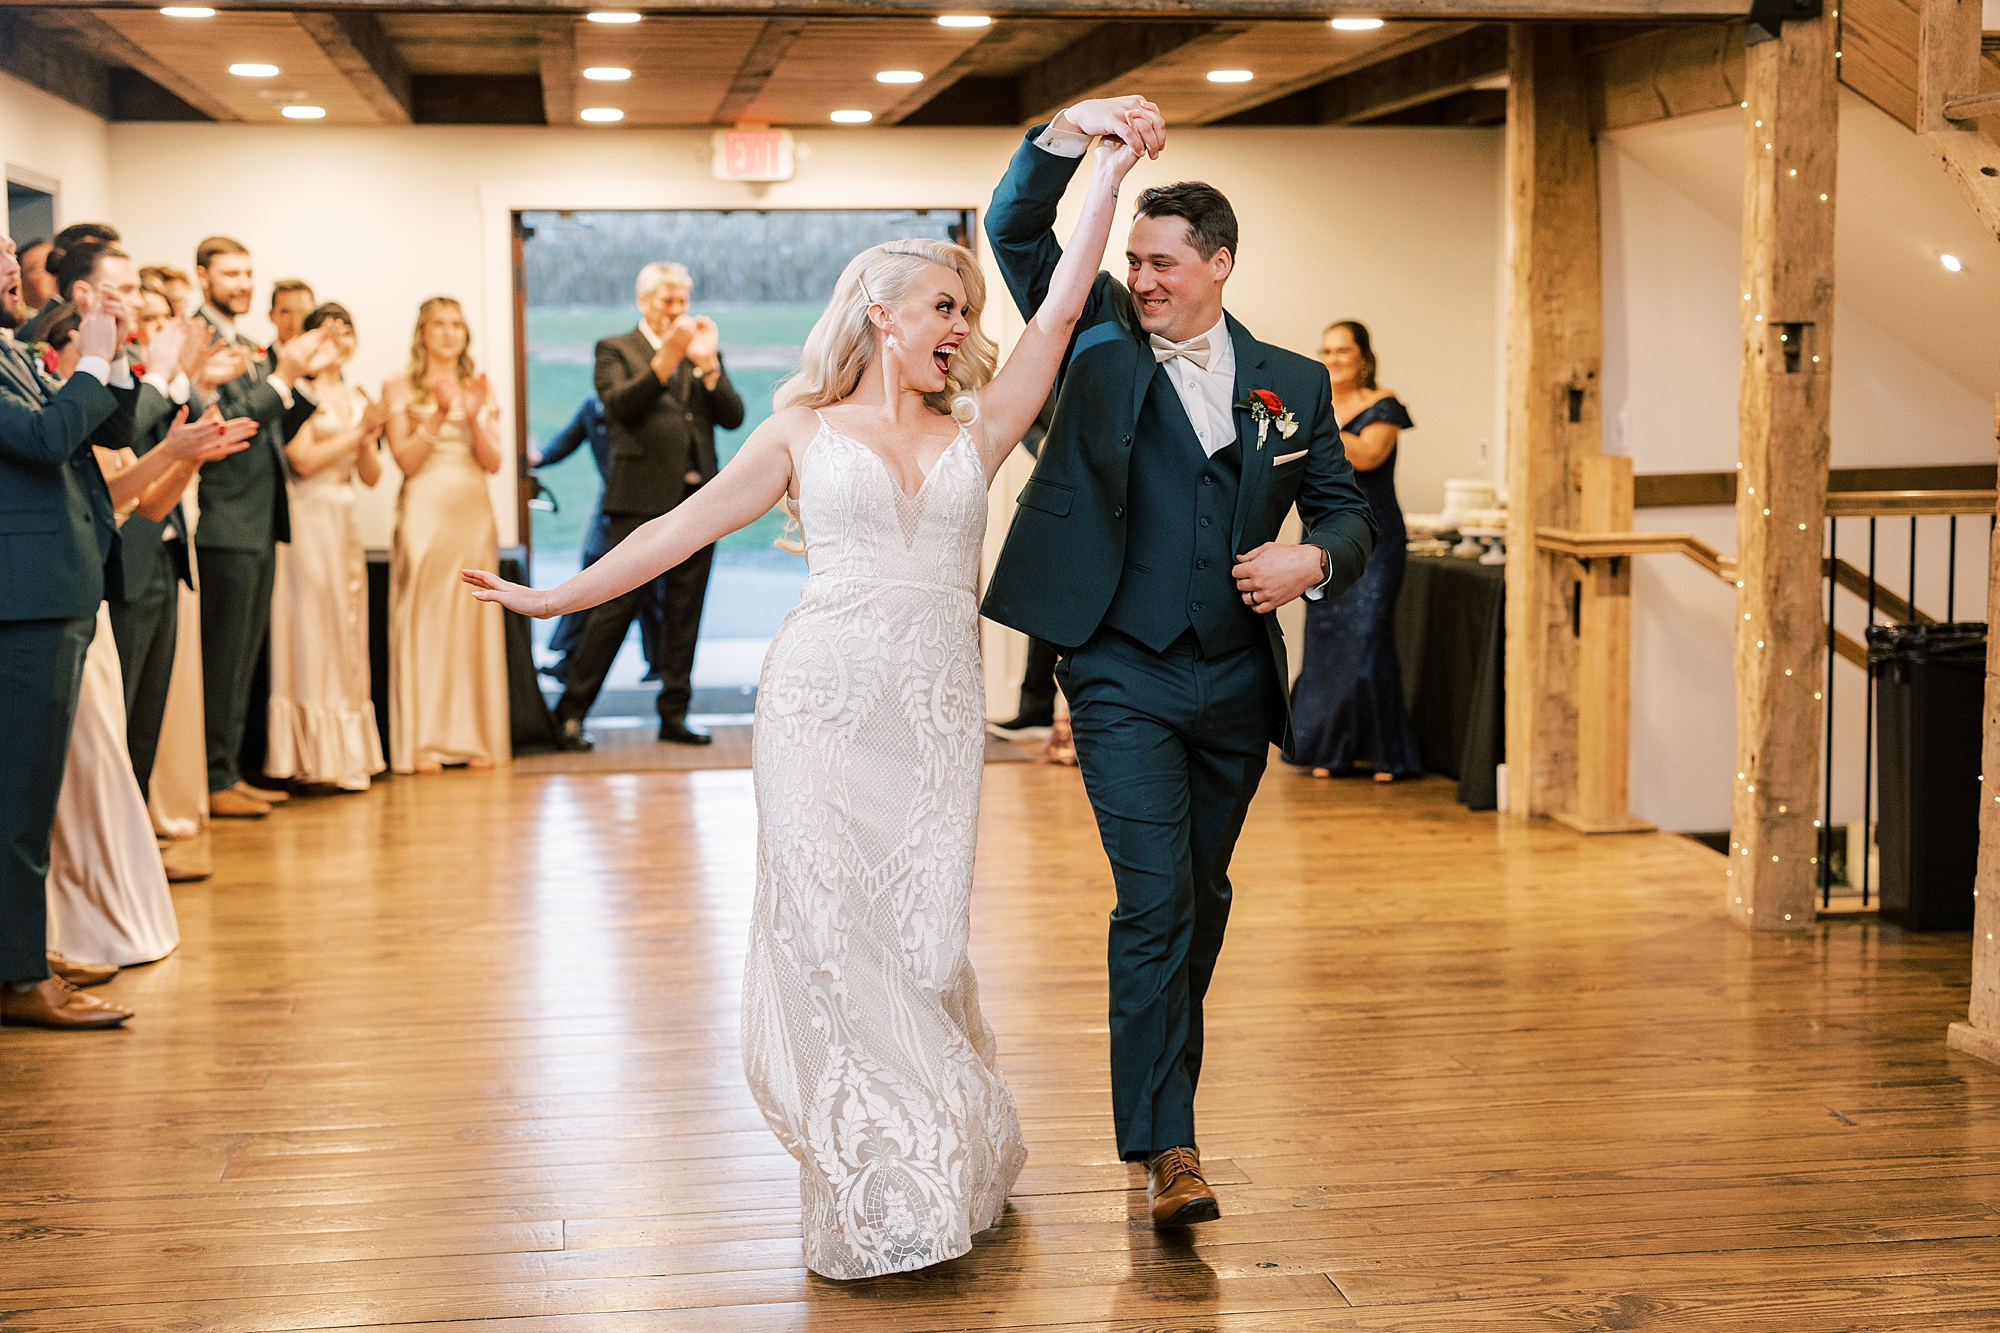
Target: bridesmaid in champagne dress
x=322, y=720
x=447, y=652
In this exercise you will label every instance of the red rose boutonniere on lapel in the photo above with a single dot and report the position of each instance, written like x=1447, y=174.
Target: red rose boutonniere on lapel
x=1266, y=408
x=51, y=359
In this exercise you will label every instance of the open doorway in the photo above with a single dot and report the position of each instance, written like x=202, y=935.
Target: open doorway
x=31, y=208
x=764, y=277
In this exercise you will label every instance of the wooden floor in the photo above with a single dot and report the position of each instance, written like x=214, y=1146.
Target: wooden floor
x=461, y=1053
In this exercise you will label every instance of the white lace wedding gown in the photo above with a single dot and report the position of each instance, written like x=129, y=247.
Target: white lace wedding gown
x=862, y=1036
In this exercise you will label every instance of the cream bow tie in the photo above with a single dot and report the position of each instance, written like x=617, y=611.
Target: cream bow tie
x=1194, y=349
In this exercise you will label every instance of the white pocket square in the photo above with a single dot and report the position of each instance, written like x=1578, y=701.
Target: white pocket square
x=1283, y=459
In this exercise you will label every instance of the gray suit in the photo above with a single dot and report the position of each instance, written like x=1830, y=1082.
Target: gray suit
x=57, y=534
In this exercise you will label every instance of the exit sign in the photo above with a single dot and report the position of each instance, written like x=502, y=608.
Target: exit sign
x=751, y=155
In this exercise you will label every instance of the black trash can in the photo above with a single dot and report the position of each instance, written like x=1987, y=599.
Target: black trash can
x=1930, y=689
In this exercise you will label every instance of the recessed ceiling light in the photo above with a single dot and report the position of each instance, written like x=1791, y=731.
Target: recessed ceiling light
x=188, y=12
x=1230, y=76
x=899, y=76
x=964, y=21
x=303, y=112
x=851, y=117
x=1356, y=25
x=254, y=71
x=607, y=74
x=1950, y=262
x=612, y=16
x=601, y=115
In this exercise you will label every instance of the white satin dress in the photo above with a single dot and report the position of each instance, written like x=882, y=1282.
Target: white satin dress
x=862, y=1035
x=107, y=888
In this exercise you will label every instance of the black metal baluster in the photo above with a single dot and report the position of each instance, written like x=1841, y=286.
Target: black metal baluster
x=1868, y=729
x=1951, y=575
x=1913, y=569
x=1826, y=804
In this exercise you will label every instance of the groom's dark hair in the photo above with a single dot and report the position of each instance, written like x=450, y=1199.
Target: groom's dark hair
x=1211, y=221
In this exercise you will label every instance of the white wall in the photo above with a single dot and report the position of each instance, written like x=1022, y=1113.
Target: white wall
x=1916, y=363
x=1396, y=227
x=57, y=144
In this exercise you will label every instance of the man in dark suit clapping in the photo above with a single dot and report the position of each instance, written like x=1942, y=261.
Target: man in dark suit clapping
x=57, y=532
x=664, y=393
x=244, y=515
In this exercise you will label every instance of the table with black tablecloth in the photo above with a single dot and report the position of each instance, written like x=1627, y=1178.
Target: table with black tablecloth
x=1451, y=639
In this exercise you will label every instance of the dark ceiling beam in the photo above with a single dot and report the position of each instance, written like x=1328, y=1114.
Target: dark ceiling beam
x=53, y=65
x=1103, y=55
x=1444, y=69
x=362, y=50
x=1264, y=92
x=1569, y=11
x=760, y=62
x=558, y=66
x=106, y=43
x=942, y=81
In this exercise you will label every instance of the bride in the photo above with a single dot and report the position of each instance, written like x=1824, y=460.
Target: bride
x=862, y=1035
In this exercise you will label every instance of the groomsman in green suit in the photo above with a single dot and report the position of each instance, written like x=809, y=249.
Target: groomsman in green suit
x=1145, y=549
x=57, y=537
x=244, y=515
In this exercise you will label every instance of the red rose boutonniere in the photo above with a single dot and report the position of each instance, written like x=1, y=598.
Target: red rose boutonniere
x=51, y=359
x=1266, y=408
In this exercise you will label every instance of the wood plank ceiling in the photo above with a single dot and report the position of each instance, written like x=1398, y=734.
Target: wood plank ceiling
x=367, y=68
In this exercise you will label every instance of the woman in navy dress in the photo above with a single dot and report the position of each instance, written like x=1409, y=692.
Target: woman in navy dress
x=1347, y=708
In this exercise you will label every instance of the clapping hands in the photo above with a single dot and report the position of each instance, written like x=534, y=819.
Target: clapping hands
x=207, y=438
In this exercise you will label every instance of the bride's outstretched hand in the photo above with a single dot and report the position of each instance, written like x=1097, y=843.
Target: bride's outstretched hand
x=492, y=588
x=1132, y=119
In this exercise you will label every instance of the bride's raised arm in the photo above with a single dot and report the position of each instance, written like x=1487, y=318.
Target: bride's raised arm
x=743, y=492
x=1009, y=404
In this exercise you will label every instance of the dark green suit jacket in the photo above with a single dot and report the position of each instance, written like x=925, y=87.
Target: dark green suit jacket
x=243, y=504
x=58, y=535
x=154, y=561
x=1065, y=552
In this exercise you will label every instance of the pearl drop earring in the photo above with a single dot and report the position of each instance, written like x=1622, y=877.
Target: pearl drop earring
x=891, y=341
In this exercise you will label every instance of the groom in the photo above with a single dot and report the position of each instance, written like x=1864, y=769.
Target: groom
x=1143, y=548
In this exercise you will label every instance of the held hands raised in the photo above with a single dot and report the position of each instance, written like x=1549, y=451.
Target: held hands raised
x=1131, y=119
x=492, y=588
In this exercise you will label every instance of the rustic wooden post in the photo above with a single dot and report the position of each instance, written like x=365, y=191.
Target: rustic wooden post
x=1980, y=1033
x=1790, y=130
x=1554, y=351
x=1603, y=628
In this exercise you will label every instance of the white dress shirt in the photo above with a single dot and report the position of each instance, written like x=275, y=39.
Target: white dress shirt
x=1209, y=395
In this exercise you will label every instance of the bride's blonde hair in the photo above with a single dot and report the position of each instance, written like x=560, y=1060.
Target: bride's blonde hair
x=842, y=342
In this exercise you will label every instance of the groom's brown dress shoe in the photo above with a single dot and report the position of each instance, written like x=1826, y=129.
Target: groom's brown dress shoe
x=55, y=1003
x=1180, y=1197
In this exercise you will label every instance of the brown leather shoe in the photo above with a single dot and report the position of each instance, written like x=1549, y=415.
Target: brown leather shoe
x=1180, y=1197
x=268, y=795
x=79, y=973
x=55, y=1003
x=231, y=803
x=186, y=862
